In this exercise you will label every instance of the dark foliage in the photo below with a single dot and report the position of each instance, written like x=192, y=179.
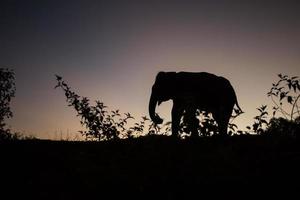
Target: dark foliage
x=286, y=90
x=260, y=121
x=102, y=124
x=285, y=94
x=207, y=125
x=7, y=92
x=284, y=127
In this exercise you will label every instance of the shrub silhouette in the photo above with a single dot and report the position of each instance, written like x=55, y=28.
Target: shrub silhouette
x=286, y=89
x=260, y=121
x=284, y=127
x=103, y=124
x=207, y=125
x=7, y=92
x=285, y=94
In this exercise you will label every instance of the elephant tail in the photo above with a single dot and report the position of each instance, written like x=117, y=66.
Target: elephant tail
x=239, y=110
x=238, y=106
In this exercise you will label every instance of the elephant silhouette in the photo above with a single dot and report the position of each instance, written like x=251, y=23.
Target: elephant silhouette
x=191, y=91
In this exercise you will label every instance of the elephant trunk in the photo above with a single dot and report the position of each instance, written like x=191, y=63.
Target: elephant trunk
x=152, y=106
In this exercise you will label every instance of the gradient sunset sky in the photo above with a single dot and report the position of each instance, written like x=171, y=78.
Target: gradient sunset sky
x=112, y=50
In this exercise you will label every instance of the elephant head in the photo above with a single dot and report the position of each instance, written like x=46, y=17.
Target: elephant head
x=162, y=90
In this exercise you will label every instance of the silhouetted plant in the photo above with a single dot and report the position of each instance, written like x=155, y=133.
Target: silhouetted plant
x=157, y=129
x=285, y=97
x=260, y=121
x=286, y=89
x=208, y=126
x=138, y=129
x=7, y=91
x=284, y=127
x=100, y=123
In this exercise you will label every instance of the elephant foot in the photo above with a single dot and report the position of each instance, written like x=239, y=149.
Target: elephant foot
x=194, y=135
x=175, y=136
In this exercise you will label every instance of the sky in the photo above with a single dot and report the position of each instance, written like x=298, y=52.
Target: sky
x=112, y=50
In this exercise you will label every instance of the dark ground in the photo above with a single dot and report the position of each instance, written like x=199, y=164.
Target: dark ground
x=150, y=168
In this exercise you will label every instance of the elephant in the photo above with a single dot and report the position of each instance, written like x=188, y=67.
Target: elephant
x=192, y=91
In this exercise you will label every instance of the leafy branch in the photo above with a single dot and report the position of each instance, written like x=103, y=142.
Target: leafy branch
x=286, y=89
x=102, y=124
x=260, y=121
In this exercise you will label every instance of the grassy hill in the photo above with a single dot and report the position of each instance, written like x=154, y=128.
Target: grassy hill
x=147, y=167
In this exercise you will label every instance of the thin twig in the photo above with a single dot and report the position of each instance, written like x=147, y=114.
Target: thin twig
x=298, y=111
x=295, y=103
x=281, y=109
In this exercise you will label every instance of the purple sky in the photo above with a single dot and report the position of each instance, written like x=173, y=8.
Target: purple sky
x=112, y=50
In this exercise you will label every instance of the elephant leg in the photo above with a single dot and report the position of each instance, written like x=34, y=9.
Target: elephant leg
x=192, y=121
x=177, y=112
x=222, y=119
x=194, y=126
x=224, y=125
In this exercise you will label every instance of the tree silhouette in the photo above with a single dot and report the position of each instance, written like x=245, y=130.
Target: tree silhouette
x=7, y=91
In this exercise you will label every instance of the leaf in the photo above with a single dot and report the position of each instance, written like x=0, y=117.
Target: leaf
x=290, y=84
x=290, y=99
x=279, y=89
x=264, y=121
x=255, y=126
x=282, y=95
x=128, y=115
x=294, y=87
x=145, y=118
x=58, y=78
x=256, y=117
x=264, y=107
x=234, y=126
